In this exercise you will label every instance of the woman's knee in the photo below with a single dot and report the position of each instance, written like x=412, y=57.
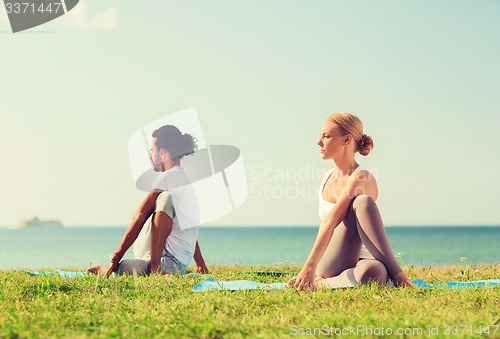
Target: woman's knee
x=322, y=272
x=371, y=271
x=362, y=201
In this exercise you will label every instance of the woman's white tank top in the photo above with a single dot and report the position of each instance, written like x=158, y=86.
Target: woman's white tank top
x=326, y=206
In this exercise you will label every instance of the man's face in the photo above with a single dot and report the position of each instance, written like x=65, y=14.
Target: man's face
x=155, y=155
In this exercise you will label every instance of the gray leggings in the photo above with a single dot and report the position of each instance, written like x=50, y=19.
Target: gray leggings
x=341, y=265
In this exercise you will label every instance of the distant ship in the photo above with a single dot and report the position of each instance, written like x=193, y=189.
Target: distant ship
x=36, y=222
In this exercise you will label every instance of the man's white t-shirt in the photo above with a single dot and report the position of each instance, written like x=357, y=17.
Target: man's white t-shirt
x=181, y=205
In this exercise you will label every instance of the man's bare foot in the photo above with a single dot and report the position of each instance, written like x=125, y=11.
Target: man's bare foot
x=401, y=280
x=97, y=269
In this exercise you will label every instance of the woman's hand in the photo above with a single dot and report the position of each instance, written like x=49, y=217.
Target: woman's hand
x=305, y=279
x=291, y=282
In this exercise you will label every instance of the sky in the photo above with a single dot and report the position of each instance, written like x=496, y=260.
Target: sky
x=263, y=75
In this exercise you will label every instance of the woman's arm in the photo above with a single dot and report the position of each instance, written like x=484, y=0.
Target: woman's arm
x=361, y=183
x=146, y=208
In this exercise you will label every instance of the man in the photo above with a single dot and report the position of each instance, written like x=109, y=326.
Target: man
x=164, y=230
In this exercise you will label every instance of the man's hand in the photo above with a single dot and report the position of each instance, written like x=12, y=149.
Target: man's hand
x=114, y=261
x=202, y=269
x=154, y=268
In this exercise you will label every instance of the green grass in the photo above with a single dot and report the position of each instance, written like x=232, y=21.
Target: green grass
x=165, y=307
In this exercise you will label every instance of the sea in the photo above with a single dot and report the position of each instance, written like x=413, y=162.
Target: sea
x=79, y=247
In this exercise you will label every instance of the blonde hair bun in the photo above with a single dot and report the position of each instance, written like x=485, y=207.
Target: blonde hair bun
x=365, y=145
x=351, y=124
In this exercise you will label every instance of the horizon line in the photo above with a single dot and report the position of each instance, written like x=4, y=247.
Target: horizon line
x=256, y=226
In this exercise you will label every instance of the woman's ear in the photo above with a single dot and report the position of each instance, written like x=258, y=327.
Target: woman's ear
x=347, y=139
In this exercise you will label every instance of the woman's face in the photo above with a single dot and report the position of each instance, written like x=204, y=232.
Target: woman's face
x=330, y=141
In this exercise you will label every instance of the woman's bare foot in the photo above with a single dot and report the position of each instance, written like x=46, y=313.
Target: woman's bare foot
x=401, y=280
x=317, y=282
x=97, y=269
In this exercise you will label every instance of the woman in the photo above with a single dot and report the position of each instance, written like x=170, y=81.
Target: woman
x=351, y=247
x=164, y=230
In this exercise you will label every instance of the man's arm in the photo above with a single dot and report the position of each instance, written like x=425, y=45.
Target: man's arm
x=161, y=228
x=201, y=267
x=145, y=209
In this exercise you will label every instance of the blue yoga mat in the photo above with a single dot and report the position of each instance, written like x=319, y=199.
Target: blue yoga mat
x=60, y=273
x=71, y=274
x=458, y=284
x=211, y=284
x=235, y=285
